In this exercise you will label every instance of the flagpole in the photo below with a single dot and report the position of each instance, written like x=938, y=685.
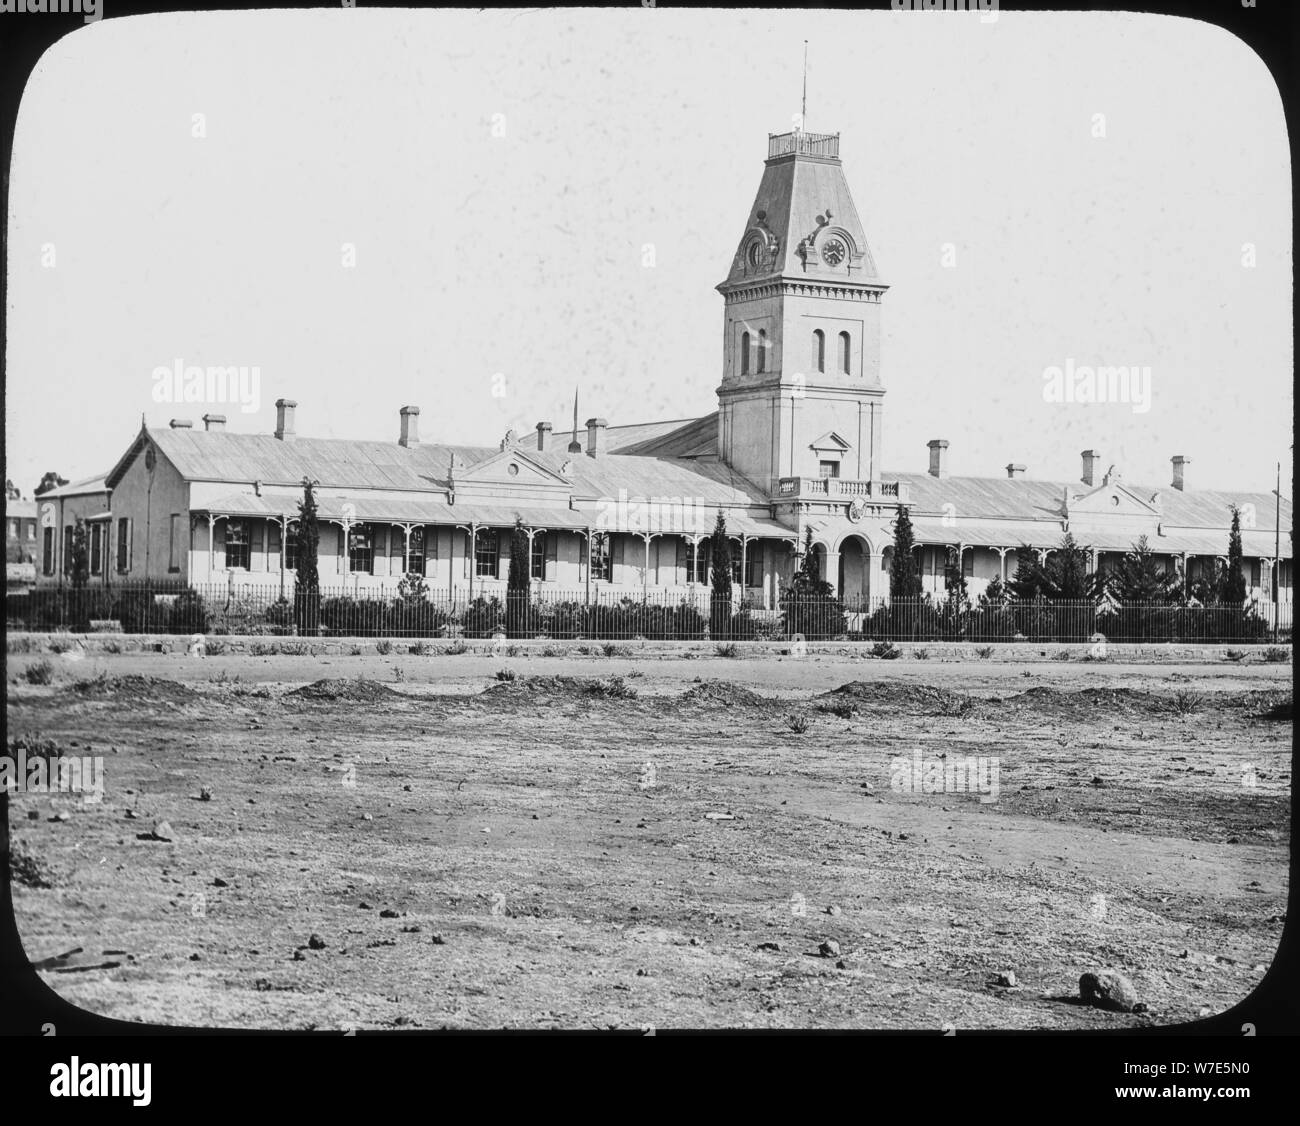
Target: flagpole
x=803, y=107
x=1277, y=554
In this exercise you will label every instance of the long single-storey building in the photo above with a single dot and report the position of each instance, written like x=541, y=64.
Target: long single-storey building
x=796, y=443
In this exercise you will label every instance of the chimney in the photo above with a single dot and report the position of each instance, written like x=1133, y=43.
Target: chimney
x=596, y=436
x=1180, y=473
x=284, y=411
x=543, y=435
x=938, y=457
x=1090, y=461
x=214, y=422
x=180, y=424
x=1015, y=469
x=410, y=427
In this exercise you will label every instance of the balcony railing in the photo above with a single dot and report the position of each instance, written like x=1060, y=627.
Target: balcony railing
x=840, y=487
x=806, y=144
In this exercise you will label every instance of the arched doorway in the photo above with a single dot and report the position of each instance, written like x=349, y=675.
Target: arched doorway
x=855, y=571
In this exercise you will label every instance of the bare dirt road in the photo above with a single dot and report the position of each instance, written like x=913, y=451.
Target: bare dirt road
x=540, y=853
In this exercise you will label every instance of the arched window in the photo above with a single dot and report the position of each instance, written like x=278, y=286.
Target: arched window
x=819, y=350
x=846, y=354
x=744, y=353
x=762, y=350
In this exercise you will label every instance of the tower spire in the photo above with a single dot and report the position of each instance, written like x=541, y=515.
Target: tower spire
x=575, y=447
x=803, y=108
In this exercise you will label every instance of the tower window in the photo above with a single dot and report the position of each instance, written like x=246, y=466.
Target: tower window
x=846, y=354
x=744, y=353
x=819, y=350
x=829, y=468
x=762, y=350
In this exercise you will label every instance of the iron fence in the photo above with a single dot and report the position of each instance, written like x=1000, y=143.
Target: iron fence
x=615, y=614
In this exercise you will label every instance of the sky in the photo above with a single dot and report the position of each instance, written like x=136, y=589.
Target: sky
x=477, y=212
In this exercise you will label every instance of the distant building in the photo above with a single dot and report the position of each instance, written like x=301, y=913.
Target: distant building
x=796, y=443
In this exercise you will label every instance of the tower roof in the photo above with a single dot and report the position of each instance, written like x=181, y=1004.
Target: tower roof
x=803, y=223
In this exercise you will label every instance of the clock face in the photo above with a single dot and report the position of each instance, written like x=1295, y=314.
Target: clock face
x=833, y=252
x=754, y=254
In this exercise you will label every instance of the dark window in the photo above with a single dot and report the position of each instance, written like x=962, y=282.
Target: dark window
x=96, y=548
x=291, y=547
x=361, y=550
x=602, y=559
x=238, y=547
x=697, y=562
x=173, y=557
x=762, y=350
x=968, y=564
x=744, y=353
x=415, y=552
x=487, y=553
x=47, y=558
x=829, y=468
x=846, y=354
x=537, y=556
x=67, y=549
x=819, y=350
x=753, y=566
x=123, y=545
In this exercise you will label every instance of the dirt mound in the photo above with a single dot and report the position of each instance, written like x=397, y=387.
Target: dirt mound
x=135, y=689
x=1056, y=700
x=357, y=690
x=914, y=697
x=722, y=692
x=563, y=687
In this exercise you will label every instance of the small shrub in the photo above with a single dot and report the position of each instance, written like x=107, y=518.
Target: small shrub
x=291, y=648
x=383, y=647
x=921, y=654
x=841, y=708
x=213, y=648
x=456, y=648
x=585, y=650
x=58, y=646
x=1061, y=655
x=21, y=645
x=886, y=650
x=506, y=674
x=797, y=723
x=728, y=650
x=355, y=650
x=1187, y=703
x=609, y=649
x=41, y=672
x=419, y=649
x=612, y=688
x=1276, y=655
x=514, y=650
x=962, y=705
x=552, y=651
x=984, y=652
x=1235, y=655
x=112, y=647
x=261, y=649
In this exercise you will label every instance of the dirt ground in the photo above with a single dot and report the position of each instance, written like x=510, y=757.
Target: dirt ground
x=416, y=843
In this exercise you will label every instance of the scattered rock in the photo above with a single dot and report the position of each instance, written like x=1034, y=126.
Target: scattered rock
x=438, y=940
x=61, y=816
x=196, y=957
x=833, y=910
x=1108, y=990
x=162, y=831
x=316, y=942
x=902, y=836
x=33, y=815
x=775, y=947
x=829, y=949
x=218, y=882
x=841, y=965
x=366, y=817
x=1007, y=979
x=388, y=913
x=205, y=794
x=299, y=956
x=364, y=906
x=131, y=815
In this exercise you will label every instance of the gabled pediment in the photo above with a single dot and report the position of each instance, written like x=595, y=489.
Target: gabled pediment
x=1113, y=499
x=510, y=466
x=830, y=441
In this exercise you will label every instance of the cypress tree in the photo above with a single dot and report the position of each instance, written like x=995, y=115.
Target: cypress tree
x=518, y=581
x=720, y=579
x=1234, y=583
x=904, y=582
x=306, y=583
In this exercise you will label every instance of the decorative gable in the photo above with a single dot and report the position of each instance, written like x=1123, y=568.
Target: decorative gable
x=1112, y=499
x=830, y=442
x=507, y=470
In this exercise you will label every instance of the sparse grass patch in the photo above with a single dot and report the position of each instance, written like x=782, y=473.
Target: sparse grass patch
x=552, y=651
x=419, y=649
x=1187, y=703
x=1061, y=655
x=1276, y=655
x=59, y=646
x=612, y=688
x=292, y=648
x=728, y=650
x=609, y=649
x=841, y=708
x=506, y=674
x=355, y=650
x=383, y=647
x=984, y=652
x=456, y=648
x=921, y=654
x=213, y=648
x=886, y=650
x=797, y=723
x=22, y=645
x=39, y=672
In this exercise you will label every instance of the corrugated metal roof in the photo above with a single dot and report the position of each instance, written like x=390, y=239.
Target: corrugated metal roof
x=87, y=486
x=618, y=438
x=694, y=438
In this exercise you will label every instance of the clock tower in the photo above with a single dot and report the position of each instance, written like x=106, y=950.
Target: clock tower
x=801, y=394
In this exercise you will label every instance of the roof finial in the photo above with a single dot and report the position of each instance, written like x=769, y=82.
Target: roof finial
x=803, y=108
x=574, y=445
